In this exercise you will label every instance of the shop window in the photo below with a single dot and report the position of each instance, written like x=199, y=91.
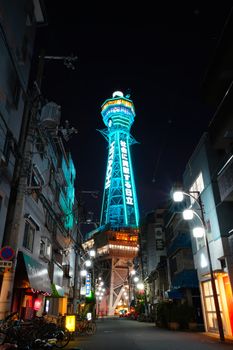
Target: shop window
x=210, y=311
x=29, y=233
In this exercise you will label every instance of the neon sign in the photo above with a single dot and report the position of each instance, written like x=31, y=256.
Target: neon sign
x=126, y=173
x=109, y=166
x=88, y=284
x=118, y=102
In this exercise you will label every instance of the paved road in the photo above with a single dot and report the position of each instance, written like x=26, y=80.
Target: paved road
x=122, y=334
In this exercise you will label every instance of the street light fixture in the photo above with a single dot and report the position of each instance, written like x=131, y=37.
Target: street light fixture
x=178, y=196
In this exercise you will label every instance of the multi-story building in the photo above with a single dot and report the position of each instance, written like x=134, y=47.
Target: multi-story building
x=38, y=236
x=18, y=24
x=209, y=171
x=200, y=176
x=182, y=276
x=153, y=257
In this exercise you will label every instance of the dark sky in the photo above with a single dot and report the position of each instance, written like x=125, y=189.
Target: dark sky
x=161, y=54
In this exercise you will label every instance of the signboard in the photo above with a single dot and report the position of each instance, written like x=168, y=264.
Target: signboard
x=159, y=244
x=88, y=285
x=7, y=253
x=126, y=173
x=5, y=263
x=109, y=166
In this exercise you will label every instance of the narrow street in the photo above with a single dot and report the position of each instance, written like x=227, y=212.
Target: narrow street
x=121, y=334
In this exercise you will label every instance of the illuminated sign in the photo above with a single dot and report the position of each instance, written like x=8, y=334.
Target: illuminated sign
x=126, y=173
x=117, y=110
x=118, y=102
x=109, y=166
x=88, y=284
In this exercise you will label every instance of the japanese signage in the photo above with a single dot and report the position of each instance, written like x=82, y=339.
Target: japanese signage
x=126, y=173
x=88, y=285
x=109, y=166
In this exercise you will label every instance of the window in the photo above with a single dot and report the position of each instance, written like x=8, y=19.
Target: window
x=45, y=248
x=197, y=186
x=211, y=318
x=50, y=223
x=29, y=232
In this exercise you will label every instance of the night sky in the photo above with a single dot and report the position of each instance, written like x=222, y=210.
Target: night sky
x=160, y=55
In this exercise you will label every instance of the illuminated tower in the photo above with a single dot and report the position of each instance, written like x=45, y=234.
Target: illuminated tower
x=116, y=240
x=120, y=206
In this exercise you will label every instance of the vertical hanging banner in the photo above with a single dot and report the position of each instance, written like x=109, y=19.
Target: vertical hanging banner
x=88, y=285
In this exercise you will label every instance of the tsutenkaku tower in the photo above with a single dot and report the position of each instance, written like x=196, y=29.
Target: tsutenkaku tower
x=120, y=206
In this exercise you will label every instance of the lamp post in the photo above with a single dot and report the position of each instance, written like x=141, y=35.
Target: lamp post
x=99, y=293
x=178, y=196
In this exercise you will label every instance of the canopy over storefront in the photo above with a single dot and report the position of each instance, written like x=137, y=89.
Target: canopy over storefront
x=37, y=273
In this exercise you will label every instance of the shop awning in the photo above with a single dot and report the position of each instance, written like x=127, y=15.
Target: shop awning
x=174, y=294
x=37, y=274
x=57, y=291
x=185, y=279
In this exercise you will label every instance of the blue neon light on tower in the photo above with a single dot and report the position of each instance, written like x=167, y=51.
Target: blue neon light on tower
x=120, y=205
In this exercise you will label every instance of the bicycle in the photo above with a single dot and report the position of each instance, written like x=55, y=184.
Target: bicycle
x=59, y=336
x=86, y=327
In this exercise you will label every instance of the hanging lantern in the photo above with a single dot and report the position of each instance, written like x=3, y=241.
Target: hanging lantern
x=37, y=304
x=70, y=322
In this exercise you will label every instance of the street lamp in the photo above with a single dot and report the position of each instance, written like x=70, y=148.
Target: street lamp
x=99, y=292
x=87, y=262
x=188, y=214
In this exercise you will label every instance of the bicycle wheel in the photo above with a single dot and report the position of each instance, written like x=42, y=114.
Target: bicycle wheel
x=91, y=328
x=2, y=337
x=63, y=337
x=94, y=327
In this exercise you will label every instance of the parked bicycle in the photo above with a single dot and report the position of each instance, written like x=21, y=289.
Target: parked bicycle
x=35, y=334
x=85, y=326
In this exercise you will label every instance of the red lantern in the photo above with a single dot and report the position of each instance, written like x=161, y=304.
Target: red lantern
x=37, y=304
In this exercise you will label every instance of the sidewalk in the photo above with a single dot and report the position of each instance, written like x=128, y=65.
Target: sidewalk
x=228, y=339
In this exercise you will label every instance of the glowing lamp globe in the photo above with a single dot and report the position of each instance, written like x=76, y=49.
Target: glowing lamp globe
x=188, y=214
x=140, y=286
x=198, y=232
x=178, y=196
x=88, y=263
x=92, y=253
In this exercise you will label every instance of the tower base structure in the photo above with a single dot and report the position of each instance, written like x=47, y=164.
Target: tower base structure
x=115, y=253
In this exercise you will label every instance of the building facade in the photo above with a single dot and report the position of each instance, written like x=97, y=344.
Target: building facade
x=38, y=233
x=152, y=258
x=201, y=176
x=19, y=22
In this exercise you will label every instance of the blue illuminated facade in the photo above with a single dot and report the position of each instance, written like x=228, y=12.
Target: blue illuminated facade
x=120, y=206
